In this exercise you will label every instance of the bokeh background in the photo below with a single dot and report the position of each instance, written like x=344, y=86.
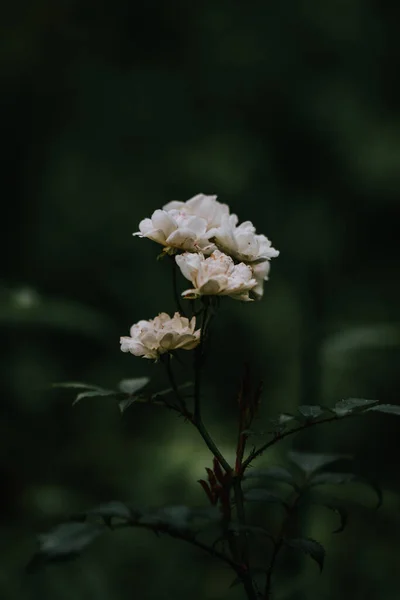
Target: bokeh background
x=289, y=111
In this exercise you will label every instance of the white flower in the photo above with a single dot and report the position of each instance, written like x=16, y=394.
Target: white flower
x=216, y=275
x=175, y=229
x=162, y=334
x=260, y=273
x=242, y=242
x=206, y=207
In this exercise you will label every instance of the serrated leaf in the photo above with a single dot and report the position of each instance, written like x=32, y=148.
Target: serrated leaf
x=237, y=528
x=310, y=462
x=261, y=495
x=390, y=409
x=131, y=386
x=329, y=478
x=64, y=542
x=76, y=385
x=174, y=517
x=309, y=546
x=251, y=572
x=272, y=473
x=170, y=390
x=283, y=419
x=339, y=511
x=112, y=510
x=310, y=411
x=93, y=394
x=345, y=407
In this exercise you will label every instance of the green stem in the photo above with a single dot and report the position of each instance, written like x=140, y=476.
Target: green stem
x=243, y=543
x=211, y=445
x=175, y=287
x=198, y=364
x=197, y=420
x=191, y=540
x=174, y=386
x=279, y=543
x=281, y=436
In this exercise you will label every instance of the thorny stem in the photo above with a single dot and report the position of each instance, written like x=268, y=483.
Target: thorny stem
x=185, y=538
x=175, y=287
x=182, y=404
x=243, y=544
x=198, y=363
x=278, y=544
x=281, y=436
x=197, y=420
x=241, y=565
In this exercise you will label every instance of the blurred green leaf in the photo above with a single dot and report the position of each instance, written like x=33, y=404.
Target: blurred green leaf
x=130, y=386
x=63, y=542
x=28, y=308
x=110, y=511
x=93, y=394
x=310, y=462
x=262, y=495
x=252, y=572
x=390, y=409
x=309, y=546
x=91, y=391
x=329, y=478
x=271, y=473
x=345, y=407
x=339, y=511
x=180, y=519
x=237, y=528
x=311, y=412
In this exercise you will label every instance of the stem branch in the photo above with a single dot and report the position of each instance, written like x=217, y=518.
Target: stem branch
x=278, y=544
x=285, y=434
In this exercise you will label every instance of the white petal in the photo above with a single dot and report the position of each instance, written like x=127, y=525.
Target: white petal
x=163, y=221
x=174, y=205
x=189, y=264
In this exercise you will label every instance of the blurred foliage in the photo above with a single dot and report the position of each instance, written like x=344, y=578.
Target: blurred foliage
x=289, y=111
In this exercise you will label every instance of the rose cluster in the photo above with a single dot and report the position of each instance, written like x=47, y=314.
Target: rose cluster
x=219, y=256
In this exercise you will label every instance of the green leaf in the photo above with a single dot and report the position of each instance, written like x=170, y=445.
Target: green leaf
x=333, y=478
x=93, y=394
x=329, y=478
x=236, y=528
x=91, y=391
x=311, y=412
x=339, y=511
x=345, y=407
x=251, y=572
x=261, y=495
x=283, y=419
x=390, y=409
x=180, y=519
x=76, y=385
x=131, y=386
x=272, y=473
x=64, y=542
x=170, y=390
x=310, y=462
x=111, y=510
x=309, y=546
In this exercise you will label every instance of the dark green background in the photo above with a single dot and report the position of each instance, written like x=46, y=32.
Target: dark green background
x=289, y=111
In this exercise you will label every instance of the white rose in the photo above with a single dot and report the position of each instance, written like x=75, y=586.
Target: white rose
x=162, y=334
x=216, y=275
x=260, y=273
x=242, y=242
x=206, y=207
x=175, y=229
